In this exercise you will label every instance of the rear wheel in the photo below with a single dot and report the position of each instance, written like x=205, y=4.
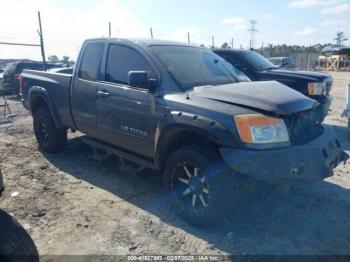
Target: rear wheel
x=50, y=138
x=202, y=188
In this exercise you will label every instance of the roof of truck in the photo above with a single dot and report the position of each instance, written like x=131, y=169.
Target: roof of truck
x=229, y=50
x=142, y=41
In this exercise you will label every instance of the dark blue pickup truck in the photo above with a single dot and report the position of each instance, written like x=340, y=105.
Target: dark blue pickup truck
x=312, y=84
x=182, y=110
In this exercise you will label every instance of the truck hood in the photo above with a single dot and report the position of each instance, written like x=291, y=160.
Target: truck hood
x=296, y=74
x=269, y=96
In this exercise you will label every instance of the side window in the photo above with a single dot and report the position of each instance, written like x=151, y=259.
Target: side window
x=121, y=60
x=91, y=61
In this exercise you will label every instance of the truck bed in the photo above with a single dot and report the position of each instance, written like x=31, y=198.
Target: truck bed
x=57, y=86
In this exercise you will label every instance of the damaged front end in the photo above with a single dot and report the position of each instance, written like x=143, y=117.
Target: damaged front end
x=313, y=153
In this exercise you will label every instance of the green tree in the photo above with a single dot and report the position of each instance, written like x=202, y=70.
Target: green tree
x=65, y=60
x=340, y=39
x=53, y=59
x=225, y=45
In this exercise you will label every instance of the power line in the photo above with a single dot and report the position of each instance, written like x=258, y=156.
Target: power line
x=21, y=44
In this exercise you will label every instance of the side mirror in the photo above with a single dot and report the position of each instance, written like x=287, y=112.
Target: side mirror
x=139, y=79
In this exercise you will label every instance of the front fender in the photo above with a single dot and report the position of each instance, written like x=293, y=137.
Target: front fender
x=211, y=129
x=37, y=93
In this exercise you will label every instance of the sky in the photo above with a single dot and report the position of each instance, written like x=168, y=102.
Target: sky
x=66, y=24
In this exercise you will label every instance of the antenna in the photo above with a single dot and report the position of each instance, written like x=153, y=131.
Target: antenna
x=252, y=31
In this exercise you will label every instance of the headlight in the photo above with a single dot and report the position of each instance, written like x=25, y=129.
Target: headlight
x=260, y=129
x=316, y=88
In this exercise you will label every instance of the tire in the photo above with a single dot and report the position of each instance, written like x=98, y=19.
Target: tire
x=15, y=243
x=204, y=196
x=50, y=138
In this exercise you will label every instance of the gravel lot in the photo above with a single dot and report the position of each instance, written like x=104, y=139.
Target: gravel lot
x=71, y=204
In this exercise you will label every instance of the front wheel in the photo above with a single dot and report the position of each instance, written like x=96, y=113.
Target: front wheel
x=202, y=188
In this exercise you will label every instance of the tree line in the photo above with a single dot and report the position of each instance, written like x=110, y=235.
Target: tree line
x=64, y=60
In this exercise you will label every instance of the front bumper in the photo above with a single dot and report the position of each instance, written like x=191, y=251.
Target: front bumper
x=313, y=161
x=322, y=109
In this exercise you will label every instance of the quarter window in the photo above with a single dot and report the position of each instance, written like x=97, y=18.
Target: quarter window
x=90, y=64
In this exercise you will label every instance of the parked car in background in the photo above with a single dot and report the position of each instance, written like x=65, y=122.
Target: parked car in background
x=282, y=62
x=1, y=74
x=312, y=84
x=16, y=245
x=11, y=75
x=182, y=110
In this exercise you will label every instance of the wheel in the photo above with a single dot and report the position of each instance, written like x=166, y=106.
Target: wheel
x=50, y=138
x=202, y=188
x=15, y=243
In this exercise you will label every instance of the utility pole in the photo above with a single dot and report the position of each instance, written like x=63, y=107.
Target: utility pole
x=188, y=38
x=252, y=31
x=232, y=43
x=150, y=29
x=212, y=42
x=40, y=32
x=110, y=29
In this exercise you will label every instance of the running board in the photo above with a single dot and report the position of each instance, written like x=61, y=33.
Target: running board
x=123, y=156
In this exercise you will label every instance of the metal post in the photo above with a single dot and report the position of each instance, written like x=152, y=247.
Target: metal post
x=110, y=29
x=151, y=32
x=41, y=40
x=212, y=42
x=188, y=38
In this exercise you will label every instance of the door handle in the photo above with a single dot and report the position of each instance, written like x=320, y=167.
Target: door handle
x=102, y=94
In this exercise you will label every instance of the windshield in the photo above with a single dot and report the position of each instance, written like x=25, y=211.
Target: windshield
x=257, y=61
x=192, y=66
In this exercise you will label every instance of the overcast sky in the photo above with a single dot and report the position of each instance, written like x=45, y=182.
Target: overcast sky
x=67, y=23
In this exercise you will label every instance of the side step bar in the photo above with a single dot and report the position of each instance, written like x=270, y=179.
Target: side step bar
x=124, y=157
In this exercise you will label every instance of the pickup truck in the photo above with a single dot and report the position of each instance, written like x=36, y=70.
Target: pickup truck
x=312, y=84
x=180, y=109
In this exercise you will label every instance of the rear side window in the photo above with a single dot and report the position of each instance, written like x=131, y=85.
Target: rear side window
x=121, y=60
x=91, y=61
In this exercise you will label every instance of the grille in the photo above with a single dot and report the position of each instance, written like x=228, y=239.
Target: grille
x=302, y=127
x=329, y=84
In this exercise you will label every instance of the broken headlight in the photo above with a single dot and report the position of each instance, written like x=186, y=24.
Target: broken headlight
x=260, y=129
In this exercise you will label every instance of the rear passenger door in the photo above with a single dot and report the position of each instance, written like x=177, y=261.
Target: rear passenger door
x=83, y=93
x=124, y=113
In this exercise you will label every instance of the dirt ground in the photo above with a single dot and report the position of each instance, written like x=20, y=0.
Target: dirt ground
x=71, y=204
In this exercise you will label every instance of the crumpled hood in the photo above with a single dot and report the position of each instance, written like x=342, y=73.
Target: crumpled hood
x=268, y=96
